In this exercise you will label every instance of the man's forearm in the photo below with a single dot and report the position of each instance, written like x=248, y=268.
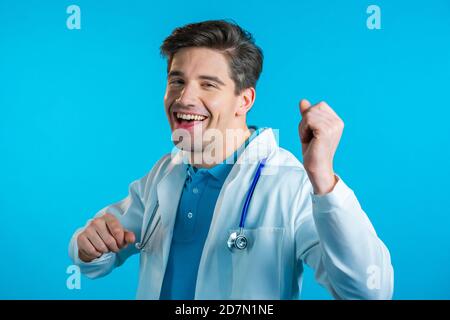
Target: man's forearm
x=356, y=260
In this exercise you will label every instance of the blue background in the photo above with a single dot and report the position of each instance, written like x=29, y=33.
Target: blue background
x=81, y=116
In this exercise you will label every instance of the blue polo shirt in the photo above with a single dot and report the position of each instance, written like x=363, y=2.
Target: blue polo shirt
x=194, y=214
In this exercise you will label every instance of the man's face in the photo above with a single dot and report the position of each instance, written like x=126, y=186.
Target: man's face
x=200, y=96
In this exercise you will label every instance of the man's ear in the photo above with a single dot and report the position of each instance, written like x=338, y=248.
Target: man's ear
x=247, y=97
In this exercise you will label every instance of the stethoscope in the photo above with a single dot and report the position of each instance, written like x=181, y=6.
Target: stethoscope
x=145, y=238
x=237, y=240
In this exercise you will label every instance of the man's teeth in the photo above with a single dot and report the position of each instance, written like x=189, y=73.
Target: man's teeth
x=187, y=116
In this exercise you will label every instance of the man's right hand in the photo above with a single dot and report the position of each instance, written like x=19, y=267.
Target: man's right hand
x=102, y=235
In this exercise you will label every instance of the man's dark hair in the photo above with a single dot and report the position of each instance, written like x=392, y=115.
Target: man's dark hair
x=245, y=58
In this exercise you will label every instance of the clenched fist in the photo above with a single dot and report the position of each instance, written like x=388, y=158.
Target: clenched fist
x=102, y=235
x=320, y=131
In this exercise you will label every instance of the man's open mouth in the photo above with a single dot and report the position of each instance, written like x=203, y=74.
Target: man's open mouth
x=188, y=118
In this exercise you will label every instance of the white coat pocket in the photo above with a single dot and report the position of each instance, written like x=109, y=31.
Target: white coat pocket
x=256, y=270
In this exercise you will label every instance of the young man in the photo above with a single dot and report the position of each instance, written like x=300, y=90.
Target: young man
x=210, y=227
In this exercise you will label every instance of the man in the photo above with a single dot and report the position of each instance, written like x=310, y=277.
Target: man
x=186, y=214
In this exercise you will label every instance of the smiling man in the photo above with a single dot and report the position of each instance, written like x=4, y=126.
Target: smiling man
x=196, y=109
x=231, y=215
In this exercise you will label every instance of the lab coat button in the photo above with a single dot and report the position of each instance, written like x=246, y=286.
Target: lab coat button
x=195, y=190
x=189, y=215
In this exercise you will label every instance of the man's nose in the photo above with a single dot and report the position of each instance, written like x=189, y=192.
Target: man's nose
x=188, y=96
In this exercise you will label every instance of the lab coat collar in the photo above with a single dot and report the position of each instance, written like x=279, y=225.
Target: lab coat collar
x=261, y=147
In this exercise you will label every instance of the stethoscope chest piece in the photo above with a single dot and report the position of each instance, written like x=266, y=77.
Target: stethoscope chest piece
x=237, y=241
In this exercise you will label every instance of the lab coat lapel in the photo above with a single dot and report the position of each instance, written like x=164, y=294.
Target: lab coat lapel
x=169, y=192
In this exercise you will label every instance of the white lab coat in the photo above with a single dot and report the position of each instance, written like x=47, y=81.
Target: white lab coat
x=287, y=226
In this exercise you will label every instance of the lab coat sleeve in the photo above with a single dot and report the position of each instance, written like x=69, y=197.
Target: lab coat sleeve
x=336, y=239
x=129, y=212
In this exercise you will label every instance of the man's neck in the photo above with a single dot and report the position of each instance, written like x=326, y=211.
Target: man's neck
x=230, y=144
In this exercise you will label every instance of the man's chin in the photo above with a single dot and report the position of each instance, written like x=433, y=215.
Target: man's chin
x=189, y=140
x=188, y=146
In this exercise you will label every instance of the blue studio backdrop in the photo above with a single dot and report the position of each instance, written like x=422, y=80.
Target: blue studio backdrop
x=81, y=116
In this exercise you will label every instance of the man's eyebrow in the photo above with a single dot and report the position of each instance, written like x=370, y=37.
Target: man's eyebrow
x=212, y=78
x=175, y=73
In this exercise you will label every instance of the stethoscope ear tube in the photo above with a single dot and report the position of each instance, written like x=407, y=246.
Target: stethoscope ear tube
x=146, y=236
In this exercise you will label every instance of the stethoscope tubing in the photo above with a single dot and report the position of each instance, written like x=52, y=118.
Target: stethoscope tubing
x=250, y=194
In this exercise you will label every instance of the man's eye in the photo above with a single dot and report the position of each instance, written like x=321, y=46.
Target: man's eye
x=209, y=85
x=176, y=82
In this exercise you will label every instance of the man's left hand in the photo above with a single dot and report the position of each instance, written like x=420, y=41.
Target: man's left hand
x=320, y=131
